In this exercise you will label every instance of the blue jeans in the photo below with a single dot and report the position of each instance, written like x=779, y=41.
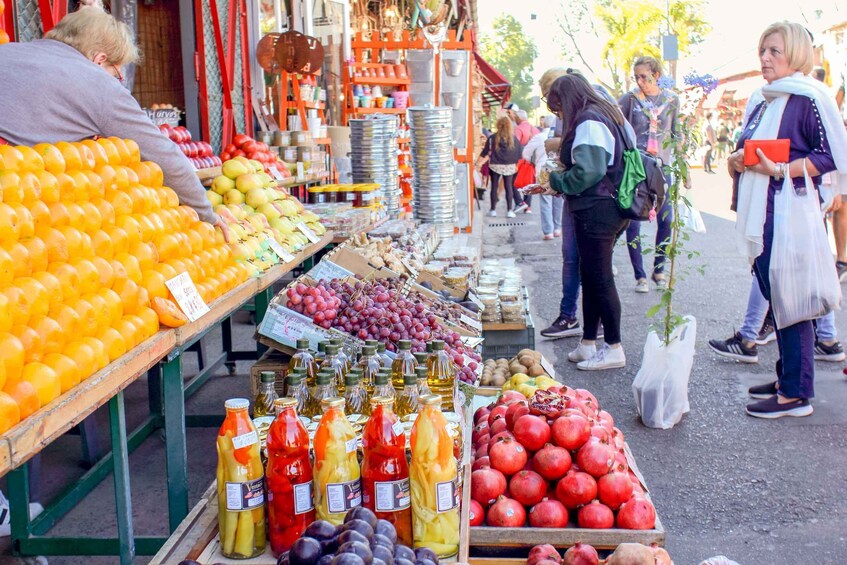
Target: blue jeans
x=663, y=234
x=570, y=265
x=757, y=309
x=551, y=213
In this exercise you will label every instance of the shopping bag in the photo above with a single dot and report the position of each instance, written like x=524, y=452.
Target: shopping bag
x=477, y=179
x=804, y=283
x=691, y=219
x=661, y=385
x=525, y=175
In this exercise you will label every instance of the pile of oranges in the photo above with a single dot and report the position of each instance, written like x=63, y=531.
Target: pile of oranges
x=88, y=237
x=4, y=37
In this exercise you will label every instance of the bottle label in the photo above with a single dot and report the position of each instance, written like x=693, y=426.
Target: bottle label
x=397, y=427
x=245, y=440
x=303, y=501
x=245, y=496
x=341, y=497
x=446, y=496
x=351, y=445
x=392, y=496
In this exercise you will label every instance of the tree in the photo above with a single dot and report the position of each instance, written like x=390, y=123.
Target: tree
x=513, y=53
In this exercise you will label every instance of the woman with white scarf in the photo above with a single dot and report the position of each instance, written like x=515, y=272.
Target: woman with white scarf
x=797, y=108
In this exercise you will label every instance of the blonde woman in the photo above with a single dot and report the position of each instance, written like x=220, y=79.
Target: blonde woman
x=503, y=151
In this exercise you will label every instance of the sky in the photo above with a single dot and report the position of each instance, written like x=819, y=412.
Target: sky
x=729, y=49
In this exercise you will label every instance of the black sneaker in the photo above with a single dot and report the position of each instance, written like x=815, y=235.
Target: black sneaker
x=832, y=352
x=772, y=409
x=734, y=348
x=767, y=334
x=562, y=327
x=762, y=391
x=842, y=270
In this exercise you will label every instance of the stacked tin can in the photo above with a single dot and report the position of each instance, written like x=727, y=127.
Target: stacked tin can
x=374, y=156
x=434, y=182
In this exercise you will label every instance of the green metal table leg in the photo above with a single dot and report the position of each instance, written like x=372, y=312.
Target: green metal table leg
x=226, y=342
x=261, y=302
x=173, y=402
x=17, y=481
x=120, y=463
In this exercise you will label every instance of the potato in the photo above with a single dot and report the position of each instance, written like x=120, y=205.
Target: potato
x=499, y=380
x=523, y=352
x=526, y=360
x=516, y=368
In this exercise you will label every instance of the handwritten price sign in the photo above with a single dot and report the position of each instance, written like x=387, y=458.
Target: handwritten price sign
x=187, y=297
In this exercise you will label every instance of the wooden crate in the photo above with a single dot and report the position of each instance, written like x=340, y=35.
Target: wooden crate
x=271, y=360
x=488, y=537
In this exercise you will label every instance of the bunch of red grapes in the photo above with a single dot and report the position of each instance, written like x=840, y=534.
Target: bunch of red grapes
x=378, y=310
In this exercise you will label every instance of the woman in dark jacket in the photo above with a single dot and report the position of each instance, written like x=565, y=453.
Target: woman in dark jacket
x=591, y=153
x=503, y=151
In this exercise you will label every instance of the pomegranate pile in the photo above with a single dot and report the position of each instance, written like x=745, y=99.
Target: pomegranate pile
x=378, y=310
x=552, y=459
x=584, y=554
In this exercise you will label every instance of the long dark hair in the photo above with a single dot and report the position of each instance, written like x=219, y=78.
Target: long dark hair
x=571, y=94
x=505, y=136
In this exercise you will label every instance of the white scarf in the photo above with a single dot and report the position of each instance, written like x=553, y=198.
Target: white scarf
x=752, y=186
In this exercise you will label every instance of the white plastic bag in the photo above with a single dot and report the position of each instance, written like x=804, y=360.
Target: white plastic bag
x=477, y=179
x=691, y=219
x=661, y=385
x=804, y=283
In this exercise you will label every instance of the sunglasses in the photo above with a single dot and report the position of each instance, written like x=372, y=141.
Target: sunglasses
x=645, y=78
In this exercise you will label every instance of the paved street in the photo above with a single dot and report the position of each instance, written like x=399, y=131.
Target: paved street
x=759, y=492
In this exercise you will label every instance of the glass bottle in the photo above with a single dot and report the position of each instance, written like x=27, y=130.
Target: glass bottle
x=338, y=486
x=433, y=475
x=321, y=354
x=420, y=358
x=291, y=506
x=407, y=402
x=370, y=364
x=335, y=364
x=403, y=363
x=423, y=385
x=385, y=471
x=385, y=359
x=325, y=388
x=383, y=386
x=342, y=354
x=355, y=395
x=265, y=396
x=241, y=484
x=303, y=358
x=441, y=374
x=297, y=389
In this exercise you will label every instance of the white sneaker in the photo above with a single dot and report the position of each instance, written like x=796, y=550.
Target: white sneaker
x=582, y=352
x=641, y=286
x=6, y=518
x=492, y=213
x=510, y=214
x=606, y=358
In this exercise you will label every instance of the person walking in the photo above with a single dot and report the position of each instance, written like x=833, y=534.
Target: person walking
x=799, y=109
x=551, y=206
x=709, y=141
x=592, y=156
x=653, y=112
x=502, y=151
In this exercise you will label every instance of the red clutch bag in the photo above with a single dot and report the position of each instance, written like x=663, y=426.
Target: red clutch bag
x=774, y=149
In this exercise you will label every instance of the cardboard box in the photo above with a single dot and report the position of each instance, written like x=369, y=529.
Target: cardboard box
x=271, y=360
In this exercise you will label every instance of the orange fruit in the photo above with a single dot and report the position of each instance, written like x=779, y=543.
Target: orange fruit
x=143, y=171
x=167, y=244
x=49, y=187
x=26, y=223
x=154, y=283
x=150, y=320
x=107, y=211
x=73, y=160
x=92, y=220
x=66, y=186
x=89, y=276
x=81, y=186
x=31, y=187
x=85, y=154
x=121, y=181
x=32, y=161
x=146, y=255
x=10, y=413
x=9, y=229
x=130, y=265
x=122, y=203
x=102, y=245
x=120, y=239
x=195, y=241
x=96, y=186
x=148, y=229
x=73, y=237
x=96, y=149
x=38, y=301
x=114, y=304
x=11, y=190
x=83, y=355
x=6, y=317
x=158, y=221
x=207, y=232
x=114, y=343
x=11, y=158
x=25, y=396
x=101, y=356
x=59, y=215
x=133, y=151
x=38, y=256
x=128, y=331
x=109, y=151
x=169, y=313
x=52, y=157
x=68, y=318
x=122, y=149
x=130, y=225
x=66, y=368
x=44, y=379
x=87, y=316
x=76, y=216
x=68, y=277
x=138, y=197
x=101, y=310
x=141, y=330
x=18, y=303
x=127, y=291
x=105, y=272
x=57, y=244
x=107, y=174
x=167, y=196
x=12, y=356
x=51, y=333
x=168, y=271
x=20, y=256
x=53, y=285
x=40, y=215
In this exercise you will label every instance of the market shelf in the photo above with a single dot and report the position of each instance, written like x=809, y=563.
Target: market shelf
x=382, y=81
x=395, y=111
x=313, y=105
x=501, y=327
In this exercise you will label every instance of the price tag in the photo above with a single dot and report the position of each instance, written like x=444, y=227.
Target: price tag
x=397, y=427
x=548, y=367
x=328, y=270
x=471, y=341
x=468, y=321
x=350, y=445
x=300, y=171
x=242, y=441
x=275, y=174
x=281, y=252
x=310, y=235
x=186, y=296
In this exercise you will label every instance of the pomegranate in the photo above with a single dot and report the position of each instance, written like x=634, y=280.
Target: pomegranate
x=481, y=463
x=575, y=489
x=637, y=513
x=511, y=396
x=596, y=516
x=590, y=399
x=499, y=425
x=479, y=430
x=507, y=456
x=580, y=405
x=595, y=458
x=581, y=554
x=476, y=514
x=497, y=413
x=571, y=430
x=618, y=438
x=552, y=462
x=601, y=433
x=481, y=451
x=606, y=420
x=620, y=461
x=506, y=513
x=486, y=485
x=481, y=414
x=637, y=488
x=532, y=431
x=544, y=552
x=528, y=487
x=614, y=489
x=545, y=403
x=548, y=514
x=496, y=437
x=514, y=412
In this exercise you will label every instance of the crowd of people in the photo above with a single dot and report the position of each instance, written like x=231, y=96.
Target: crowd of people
x=584, y=140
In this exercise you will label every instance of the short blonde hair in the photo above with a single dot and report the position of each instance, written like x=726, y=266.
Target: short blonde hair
x=798, y=45
x=545, y=83
x=91, y=31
